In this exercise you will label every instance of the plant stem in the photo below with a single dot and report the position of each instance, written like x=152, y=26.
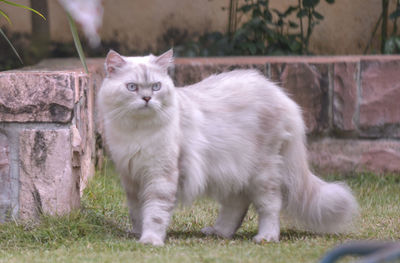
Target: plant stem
x=77, y=42
x=385, y=14
x=229, y=29
x=301, y=28
x=373, y=34
x=395, y=19
x=309, y=29
x=11, y=45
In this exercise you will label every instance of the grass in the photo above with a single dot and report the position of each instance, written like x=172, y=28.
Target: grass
x=98, y=232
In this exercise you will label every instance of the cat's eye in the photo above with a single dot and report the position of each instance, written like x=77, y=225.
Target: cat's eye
x=156, y=86
x=132, y=86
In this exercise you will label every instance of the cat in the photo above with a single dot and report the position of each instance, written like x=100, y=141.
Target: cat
x=235, y=137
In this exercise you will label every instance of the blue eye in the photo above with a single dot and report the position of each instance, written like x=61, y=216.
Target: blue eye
x=156, y=86
x=132, y=86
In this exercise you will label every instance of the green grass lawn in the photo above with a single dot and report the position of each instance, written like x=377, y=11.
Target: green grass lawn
x=99, y=231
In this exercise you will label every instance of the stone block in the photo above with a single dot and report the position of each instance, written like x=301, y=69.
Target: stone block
x=380, y=98
x=308, y=85
x=340, y=155
x=344, y=106
x=47, y=184
x=36, y=97
x=5, y=178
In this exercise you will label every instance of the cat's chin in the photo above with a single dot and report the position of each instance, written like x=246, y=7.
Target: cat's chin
x=145, y=110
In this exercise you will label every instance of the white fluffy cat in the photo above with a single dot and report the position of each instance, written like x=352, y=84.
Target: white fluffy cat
x=235, y=137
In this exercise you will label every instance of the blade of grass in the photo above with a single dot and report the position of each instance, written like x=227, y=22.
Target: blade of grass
x=77, y=42
x=5, y=16
x=23, y=6
x=11, y=45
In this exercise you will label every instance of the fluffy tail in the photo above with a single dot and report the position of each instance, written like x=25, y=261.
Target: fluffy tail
x=313, y=203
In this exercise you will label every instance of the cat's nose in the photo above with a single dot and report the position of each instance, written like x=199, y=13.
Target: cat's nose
x=146, y=98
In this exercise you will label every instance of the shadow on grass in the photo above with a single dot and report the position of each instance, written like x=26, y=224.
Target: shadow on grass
x=56, y=231
x=285, y=235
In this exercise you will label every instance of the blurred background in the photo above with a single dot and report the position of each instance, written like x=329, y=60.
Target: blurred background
x=206, y=28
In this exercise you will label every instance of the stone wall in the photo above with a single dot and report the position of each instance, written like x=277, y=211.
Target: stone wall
x=50, y=141
x=47, y=138
x=351, y=104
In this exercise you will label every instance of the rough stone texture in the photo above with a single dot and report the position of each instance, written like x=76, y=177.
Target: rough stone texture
x=5, y=178
x=85, y=125
x=355, y=155
x=45, y=176
x=380, y=98
x=308, y=85
x=186, y=74
x=345, y=96
x=36, y=96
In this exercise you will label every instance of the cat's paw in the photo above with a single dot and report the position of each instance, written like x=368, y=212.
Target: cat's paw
x=208, y=231
x=151, y=239
x=266, y=238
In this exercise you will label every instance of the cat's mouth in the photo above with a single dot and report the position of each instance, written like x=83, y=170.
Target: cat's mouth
x=146, y=106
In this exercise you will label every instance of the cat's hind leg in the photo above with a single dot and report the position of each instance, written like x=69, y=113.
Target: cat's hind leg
x=267, y=199
x=231, y=214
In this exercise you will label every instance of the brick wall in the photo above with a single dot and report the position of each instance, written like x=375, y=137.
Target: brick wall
x=49, y=132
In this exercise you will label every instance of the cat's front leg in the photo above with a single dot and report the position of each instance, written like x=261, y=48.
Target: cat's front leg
x=158, y=199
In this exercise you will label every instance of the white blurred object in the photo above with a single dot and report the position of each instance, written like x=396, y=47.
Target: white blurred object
x=89, y=14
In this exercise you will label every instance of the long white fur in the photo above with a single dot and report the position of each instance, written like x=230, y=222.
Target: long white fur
x=236, y=137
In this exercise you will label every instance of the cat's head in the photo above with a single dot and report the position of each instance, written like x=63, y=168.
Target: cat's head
x=137, y=87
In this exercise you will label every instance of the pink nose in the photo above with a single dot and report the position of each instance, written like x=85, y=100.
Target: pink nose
x=146, y=98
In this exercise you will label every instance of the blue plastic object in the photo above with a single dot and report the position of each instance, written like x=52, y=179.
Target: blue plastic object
x=374, y=252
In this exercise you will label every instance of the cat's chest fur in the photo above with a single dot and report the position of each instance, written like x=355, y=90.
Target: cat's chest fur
x=138, y=150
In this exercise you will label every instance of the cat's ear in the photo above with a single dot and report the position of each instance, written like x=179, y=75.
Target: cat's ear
x=165, y=60
x=114, y=61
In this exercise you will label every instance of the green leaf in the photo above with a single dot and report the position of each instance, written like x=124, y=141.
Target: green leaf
x=276, y=11
x=397, y=41
x=23, y=6
x=252, y=48
x=11, y=45
x=293, y=24
x=245, y=8
x=5, y=16
x=302, y=13
x=310, y=3
x=295, y=46
x=390, y=46
x=318, y=15
x=330, y=1
x=290, y=10
x=395, y=14
x=267, y=15
x=77, y=42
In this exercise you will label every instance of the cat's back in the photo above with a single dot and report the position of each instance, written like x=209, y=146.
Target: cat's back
x=228, y=81
x=237, y=89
